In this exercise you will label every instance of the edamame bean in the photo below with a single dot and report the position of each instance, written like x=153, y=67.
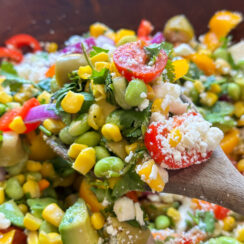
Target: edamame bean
x=65, y=136
x=115, y=118
x=109, y=167
x=13, y=189
x=90, y=138
x=126, y=39
x=79, y=126
x=2, y=109
x=234, y=91
x=221, y=53
x=101, y=152
x=135, y=92
x=34, y=176
x=54, y=85
x=162, y=222
x=223, y=240
x=194, y=95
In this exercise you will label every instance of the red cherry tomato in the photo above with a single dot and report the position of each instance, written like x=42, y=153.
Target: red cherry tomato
x=12, y=54
x=20, y=40
x=7, y=118
x=144, y=30
x=19, y=236
x=160, y=155
x=131, y=61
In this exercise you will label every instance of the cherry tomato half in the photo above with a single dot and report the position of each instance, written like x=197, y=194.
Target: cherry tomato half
x=12, y=54
x=131, y=61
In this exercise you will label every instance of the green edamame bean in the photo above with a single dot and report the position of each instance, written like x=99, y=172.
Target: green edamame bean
x=162, y=222
x=234, y=91
x=135, y=92
x=194, y=95
x=221, y=53
x=90, y=138
x=2, y=109
x=223, y=240
x=79, y=126
x=126, y=39
x=109, y=167
x=101, y=152
x=13, y=189
x=54, y=85
x=115, y=118
x=65, y=136
x=34, y=176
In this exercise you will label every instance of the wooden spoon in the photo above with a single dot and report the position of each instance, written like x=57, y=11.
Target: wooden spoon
x=216, y=180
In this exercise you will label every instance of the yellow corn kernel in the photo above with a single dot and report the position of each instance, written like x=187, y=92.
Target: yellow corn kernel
x=32, y=237
x=72, y=102
x=239, y=109
x=222, y=66
x=100, y=57
x=52, y=47
x=229, y=223
x=101, y=65
x=31, y=222
x=75, y=149
x=85, y=160
x=174, y=214
x=33, y=166
x=44, y=97
x=5, y=97
x=23, y=208
x=95, y=117
x=199, y=86
x=43, y=238
x=53, y=214
x=20, y=178
x=230, y=140
x=8, y=237
x=98, y=29
x=31, y=187
x=112, y=181
x=2, y=195
x=149, y=173
x=47, y=170
x=54, y=238
x=240, y=165
x=240, y=235
x=215, y=88
x=181, y=67
x=2, y=78
x=114, y=71
x=175, y=137
x=150, y=92
x=240, y=122
x=53, y=125
x=17, y=125
x=84, y=72
x=131, y=148
x=89, y=197
x=208, y=98
x=110, y=34
x=97, y=220
x=111, y=132
x=157, y=106
x=123, y=32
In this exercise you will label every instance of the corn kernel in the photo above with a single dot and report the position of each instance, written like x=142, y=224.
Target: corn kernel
x=150, y=92
x=33, y=166
x=31, y=187
x=44, y=97
x=208, y=98
x=111, y=132
x=229, y=223
x=240, y=235
x=199, y=86
x=72, y=102
x=2, y=195
x=100, y=57
x=53, y=214
x=52, y=47
x=215, y=88
x=240, y=165
x=47, y=170
x=131, y=148
x=20, y=178
x=123, y=32
x=114, y=71
x=31, y=222
x=84, y=72
x=5, y=97
x=145, y=170
x=239, y=109
x=43, y=238
x=98, y=29
x=17, y=125
x=85, y=160
x=240, y=122
x=157, y=106
x=54, y=238
x=174, y=214
x=75, y=149
x=175, y=137
x=230, y=140
x=32, y=238
x=23, y=208
x=102, y=65
x=97, y=220
x=53, y=125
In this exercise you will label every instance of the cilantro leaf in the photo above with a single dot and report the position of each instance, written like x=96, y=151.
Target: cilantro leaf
x=7, y=67
x=169, y=72
x=97, y=50
x=99, y=77
x=225, y=41
x=194, y=72
x=109, y=89
x=14, y=82
x=45, y=85
x=62, y=167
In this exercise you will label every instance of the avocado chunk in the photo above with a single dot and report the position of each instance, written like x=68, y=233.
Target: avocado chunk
x=76, y=226
x=13, y=213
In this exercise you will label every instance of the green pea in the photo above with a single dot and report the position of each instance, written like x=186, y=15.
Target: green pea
x=126, y=39
x=2, y=109
x=109, y=167
x=13, y=189
x=162, y=222
x=79, y=126
x=90, y=138
x=234, y=91
x=134, y=92
x=221, y=53
x=101, y=152
x=65, y=136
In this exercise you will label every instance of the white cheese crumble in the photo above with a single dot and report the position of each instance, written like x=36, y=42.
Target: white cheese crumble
x=143, y=105
x=183, y=50
x=139, y=214
x=4, y=222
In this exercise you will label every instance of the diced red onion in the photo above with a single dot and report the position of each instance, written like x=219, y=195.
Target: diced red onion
x=158, y=38
x=90, y=42
x=40, y=113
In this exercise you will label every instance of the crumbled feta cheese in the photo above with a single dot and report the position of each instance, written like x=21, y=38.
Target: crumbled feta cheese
x=143, y=105
x=237, y=51
x=4, y=222
x=213, y=135
x=139, y=214
x=111, y=230
x=129, y=157
x=183, y=50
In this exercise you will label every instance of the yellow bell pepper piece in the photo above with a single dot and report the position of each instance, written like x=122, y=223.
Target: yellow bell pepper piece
x=230, y=140
x=181, y=67
x=7, y=238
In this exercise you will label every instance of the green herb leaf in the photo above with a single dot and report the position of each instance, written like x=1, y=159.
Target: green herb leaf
x=109, y=89
x=225, y=41
x=62, y=167
x=169, y=72
x=7, y=67
x=99, y=77
x=45, y=85
x=97, y=50
x=223, y=108
x=14, y=82
x=194, y=72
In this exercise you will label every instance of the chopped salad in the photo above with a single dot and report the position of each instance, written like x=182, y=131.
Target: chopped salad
x=89, y=132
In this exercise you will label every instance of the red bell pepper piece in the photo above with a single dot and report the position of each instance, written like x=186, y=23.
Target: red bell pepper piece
x=12, y=54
